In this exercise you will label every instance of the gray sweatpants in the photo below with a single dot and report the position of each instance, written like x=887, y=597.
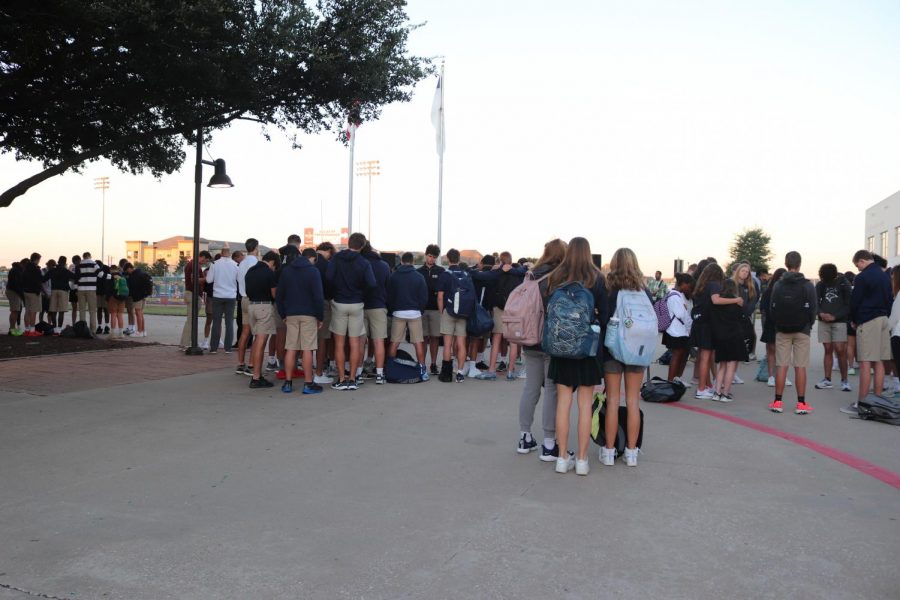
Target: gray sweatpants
x=536, y=365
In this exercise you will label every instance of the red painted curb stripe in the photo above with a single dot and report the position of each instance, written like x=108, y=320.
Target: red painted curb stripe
x=863, y=466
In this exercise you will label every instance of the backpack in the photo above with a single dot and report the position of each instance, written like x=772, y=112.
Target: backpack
x=81, y=330
x=480, y=321
x=461, y=301
x=631, y=333
x=790, y=306
x=523, y=317
x=504, y=287
x=660, y=390
x=403, y=368
x=879, y=408
x=568, y=329
x=598, y=425
x=120, y=288
x=661, y=308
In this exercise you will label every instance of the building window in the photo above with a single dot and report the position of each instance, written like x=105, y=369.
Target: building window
x=884, y=244
x=870, y=243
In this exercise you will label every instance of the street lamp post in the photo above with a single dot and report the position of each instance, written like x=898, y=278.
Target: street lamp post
x=102, y=183
x=218, y=180
x=369, y=168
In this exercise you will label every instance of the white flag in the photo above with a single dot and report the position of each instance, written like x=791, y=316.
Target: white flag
x=437, y=115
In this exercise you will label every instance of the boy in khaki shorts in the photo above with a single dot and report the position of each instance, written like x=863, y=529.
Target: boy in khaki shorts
x=794, y=309
x=407, y=297
x=259, y=284
x=431, y=317
x=300, y=302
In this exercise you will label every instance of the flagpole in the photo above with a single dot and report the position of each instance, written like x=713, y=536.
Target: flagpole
x=441, y=163
x=350, y=202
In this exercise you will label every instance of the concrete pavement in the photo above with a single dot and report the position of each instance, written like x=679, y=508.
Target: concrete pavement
x=195, y=486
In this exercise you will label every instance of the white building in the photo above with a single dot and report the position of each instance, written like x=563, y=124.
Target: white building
x=883, y=229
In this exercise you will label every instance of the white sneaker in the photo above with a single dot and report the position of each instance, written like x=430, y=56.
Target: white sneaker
x=845, y=386
x=771, y=382
x=787, y=382
x=564, y=465
x=706, y=394
x=472, y=371
x=205, y=345
x=631, y=457
x=825, y=384
x=323, y=379
x=737, y=380
x=607, y=456
x=582, y=467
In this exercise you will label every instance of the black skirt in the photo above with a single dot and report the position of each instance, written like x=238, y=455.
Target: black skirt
x=676, y=343
x=730, y=349
x=576, y=372
x=701, y=336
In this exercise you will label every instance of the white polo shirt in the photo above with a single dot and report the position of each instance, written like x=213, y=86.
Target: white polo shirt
x=223, y=274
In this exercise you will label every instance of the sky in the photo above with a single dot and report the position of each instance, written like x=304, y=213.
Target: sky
x=666, y=127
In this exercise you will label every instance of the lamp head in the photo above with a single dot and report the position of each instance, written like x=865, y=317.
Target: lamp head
x=219, y=179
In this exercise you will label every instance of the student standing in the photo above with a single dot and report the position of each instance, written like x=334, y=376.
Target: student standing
x=407, y=297
x=729, y=340
x=833, y=294
x=431, y=320
x=677, y=337
x=223, y=276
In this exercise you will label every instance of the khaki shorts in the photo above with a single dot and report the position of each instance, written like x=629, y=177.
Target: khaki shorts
x=376, y=323
x=115, y=306
x=452, y=326
x=129, y=304
x=301, y=333
x=791, y=349
x=832, y=332
x=431, y=323
x=279, y=322
x=324, y=332
x=399, y=327
x=260, y=318
x=16, y=302
x=59, y=301
x=498, y=320
x=245, y=310
x=101, y=301
x=139, y=305
x=873, y=340
x=347, y=319
x=614, y=367
x=32, y=302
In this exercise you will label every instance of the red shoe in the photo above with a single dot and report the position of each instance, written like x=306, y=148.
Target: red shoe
x=33, y=333
x=775, y=407
x=298, y=374
x=803, y=408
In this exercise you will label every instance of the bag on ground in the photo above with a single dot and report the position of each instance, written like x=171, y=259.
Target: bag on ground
x=81, y=330
x=403, y=368
x=568, y=329
x=879, y=408
x=660, y=390
x=598, y=425
x=461, y=301
x=631, y=333
x=523, y=317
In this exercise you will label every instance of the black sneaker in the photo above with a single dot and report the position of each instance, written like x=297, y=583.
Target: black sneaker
x=526, y=444
x=350, y=386
x=99, y=330
x=501, y=366
x=481, y=366
x=106, y=329
x=239, y=370
x=434, y=369
x=287, y=387
x=262, y=382
x=549, y=454
x=460, y=377
x=360, y=380
x=312, y=388
x=379, y=379
x=340, y=385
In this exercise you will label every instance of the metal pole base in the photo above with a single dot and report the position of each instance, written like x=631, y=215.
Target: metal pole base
x=194, y=351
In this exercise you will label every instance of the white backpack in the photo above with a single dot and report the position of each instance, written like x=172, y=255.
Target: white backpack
x=632, y=333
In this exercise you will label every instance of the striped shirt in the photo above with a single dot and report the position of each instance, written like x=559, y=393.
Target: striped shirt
x=86, y=275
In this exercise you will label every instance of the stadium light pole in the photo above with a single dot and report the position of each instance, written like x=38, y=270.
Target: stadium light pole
x=369, y=168
x=102, y=183
x=219, y=180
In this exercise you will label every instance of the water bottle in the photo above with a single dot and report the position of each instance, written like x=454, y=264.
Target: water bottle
x=595, y=339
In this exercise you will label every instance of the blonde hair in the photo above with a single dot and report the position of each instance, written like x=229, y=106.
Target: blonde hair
x=751, y=286
x=624, y=272
x=577, y=265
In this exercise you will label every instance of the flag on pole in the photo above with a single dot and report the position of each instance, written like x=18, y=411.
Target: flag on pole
x=437, y=115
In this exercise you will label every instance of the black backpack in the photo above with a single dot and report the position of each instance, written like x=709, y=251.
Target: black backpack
x=598, y=426
x=790, y=307
x=402, y=369
x=82, y=330
x=879, y=408
x=504, y=287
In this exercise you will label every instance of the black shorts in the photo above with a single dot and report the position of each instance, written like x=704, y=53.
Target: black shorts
x=676, y=343
x=701, y=336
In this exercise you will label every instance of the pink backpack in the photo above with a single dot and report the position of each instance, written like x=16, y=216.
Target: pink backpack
x=661, y=308
x=523, y=316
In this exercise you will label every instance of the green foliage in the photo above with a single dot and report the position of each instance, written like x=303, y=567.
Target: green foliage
x=182, y=263
x=143, y=267
x=132, y=80
x=751, y=246
x=159, y=268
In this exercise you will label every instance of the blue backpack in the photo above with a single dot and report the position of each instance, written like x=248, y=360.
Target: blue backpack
x=402, y=369
x=568, y=330
x=631, y=334
x=460, y=303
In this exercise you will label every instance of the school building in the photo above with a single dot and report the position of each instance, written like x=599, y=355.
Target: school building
x=883, y=229
x=172, y=249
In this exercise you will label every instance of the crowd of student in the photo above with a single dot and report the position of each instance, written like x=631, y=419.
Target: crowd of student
x=336, y=311
x=106, y=295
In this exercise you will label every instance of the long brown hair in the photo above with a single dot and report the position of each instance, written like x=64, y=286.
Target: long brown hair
x=751, y=286
x=554, y=253
x=624, y=272
x=577, y=265
x=712, y=272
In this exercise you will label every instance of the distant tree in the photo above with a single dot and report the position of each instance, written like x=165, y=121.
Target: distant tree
x=751, y=246
x=182, y=262
x=131, y=80
x=143, y=267
x=160, y=268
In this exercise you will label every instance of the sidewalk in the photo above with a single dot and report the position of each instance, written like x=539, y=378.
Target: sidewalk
x=180, y=482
